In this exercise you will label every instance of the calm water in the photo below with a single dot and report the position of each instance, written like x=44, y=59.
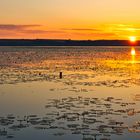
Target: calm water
x=97, y=98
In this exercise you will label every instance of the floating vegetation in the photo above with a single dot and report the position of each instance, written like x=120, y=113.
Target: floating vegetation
x=77, y=116
x=79, y=70
x=86, y=66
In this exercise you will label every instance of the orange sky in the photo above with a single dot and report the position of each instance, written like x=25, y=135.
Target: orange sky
x=70, y=19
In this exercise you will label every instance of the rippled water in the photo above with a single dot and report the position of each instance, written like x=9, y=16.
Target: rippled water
x=97, y=98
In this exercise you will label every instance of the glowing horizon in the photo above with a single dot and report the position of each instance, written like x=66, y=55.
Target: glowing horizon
x=70, y=19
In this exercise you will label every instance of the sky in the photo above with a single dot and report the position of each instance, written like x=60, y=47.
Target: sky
x=70, y=19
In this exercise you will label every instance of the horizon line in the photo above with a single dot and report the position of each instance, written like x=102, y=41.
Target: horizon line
x=66, y=39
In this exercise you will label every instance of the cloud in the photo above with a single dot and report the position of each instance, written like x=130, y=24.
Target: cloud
x=98, y=34
x=26, y=29
x=80, y=29
x=42, y=31
x=16, y=27
x=122, y=27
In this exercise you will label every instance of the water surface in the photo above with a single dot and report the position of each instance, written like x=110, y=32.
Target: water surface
x=97, y=98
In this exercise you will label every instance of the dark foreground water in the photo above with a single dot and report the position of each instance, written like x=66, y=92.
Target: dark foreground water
x=97, y=98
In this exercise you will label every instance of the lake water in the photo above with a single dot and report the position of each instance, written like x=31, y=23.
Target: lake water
x=96, y=98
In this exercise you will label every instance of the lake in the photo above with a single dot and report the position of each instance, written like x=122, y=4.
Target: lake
x=96, y=97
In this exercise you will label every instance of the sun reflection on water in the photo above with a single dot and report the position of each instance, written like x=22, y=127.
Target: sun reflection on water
x=133, y=55
x=133, y=51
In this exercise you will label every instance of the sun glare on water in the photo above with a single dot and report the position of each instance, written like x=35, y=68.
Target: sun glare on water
x=133, y=52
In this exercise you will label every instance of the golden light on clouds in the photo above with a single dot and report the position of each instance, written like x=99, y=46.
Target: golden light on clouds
x=106, y=19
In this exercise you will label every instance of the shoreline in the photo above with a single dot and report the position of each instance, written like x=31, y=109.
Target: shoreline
x=57, y=42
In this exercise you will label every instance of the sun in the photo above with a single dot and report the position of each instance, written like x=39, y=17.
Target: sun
x=132, y=38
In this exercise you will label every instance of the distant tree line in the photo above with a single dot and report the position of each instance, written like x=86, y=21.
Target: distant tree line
x=53, y=42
